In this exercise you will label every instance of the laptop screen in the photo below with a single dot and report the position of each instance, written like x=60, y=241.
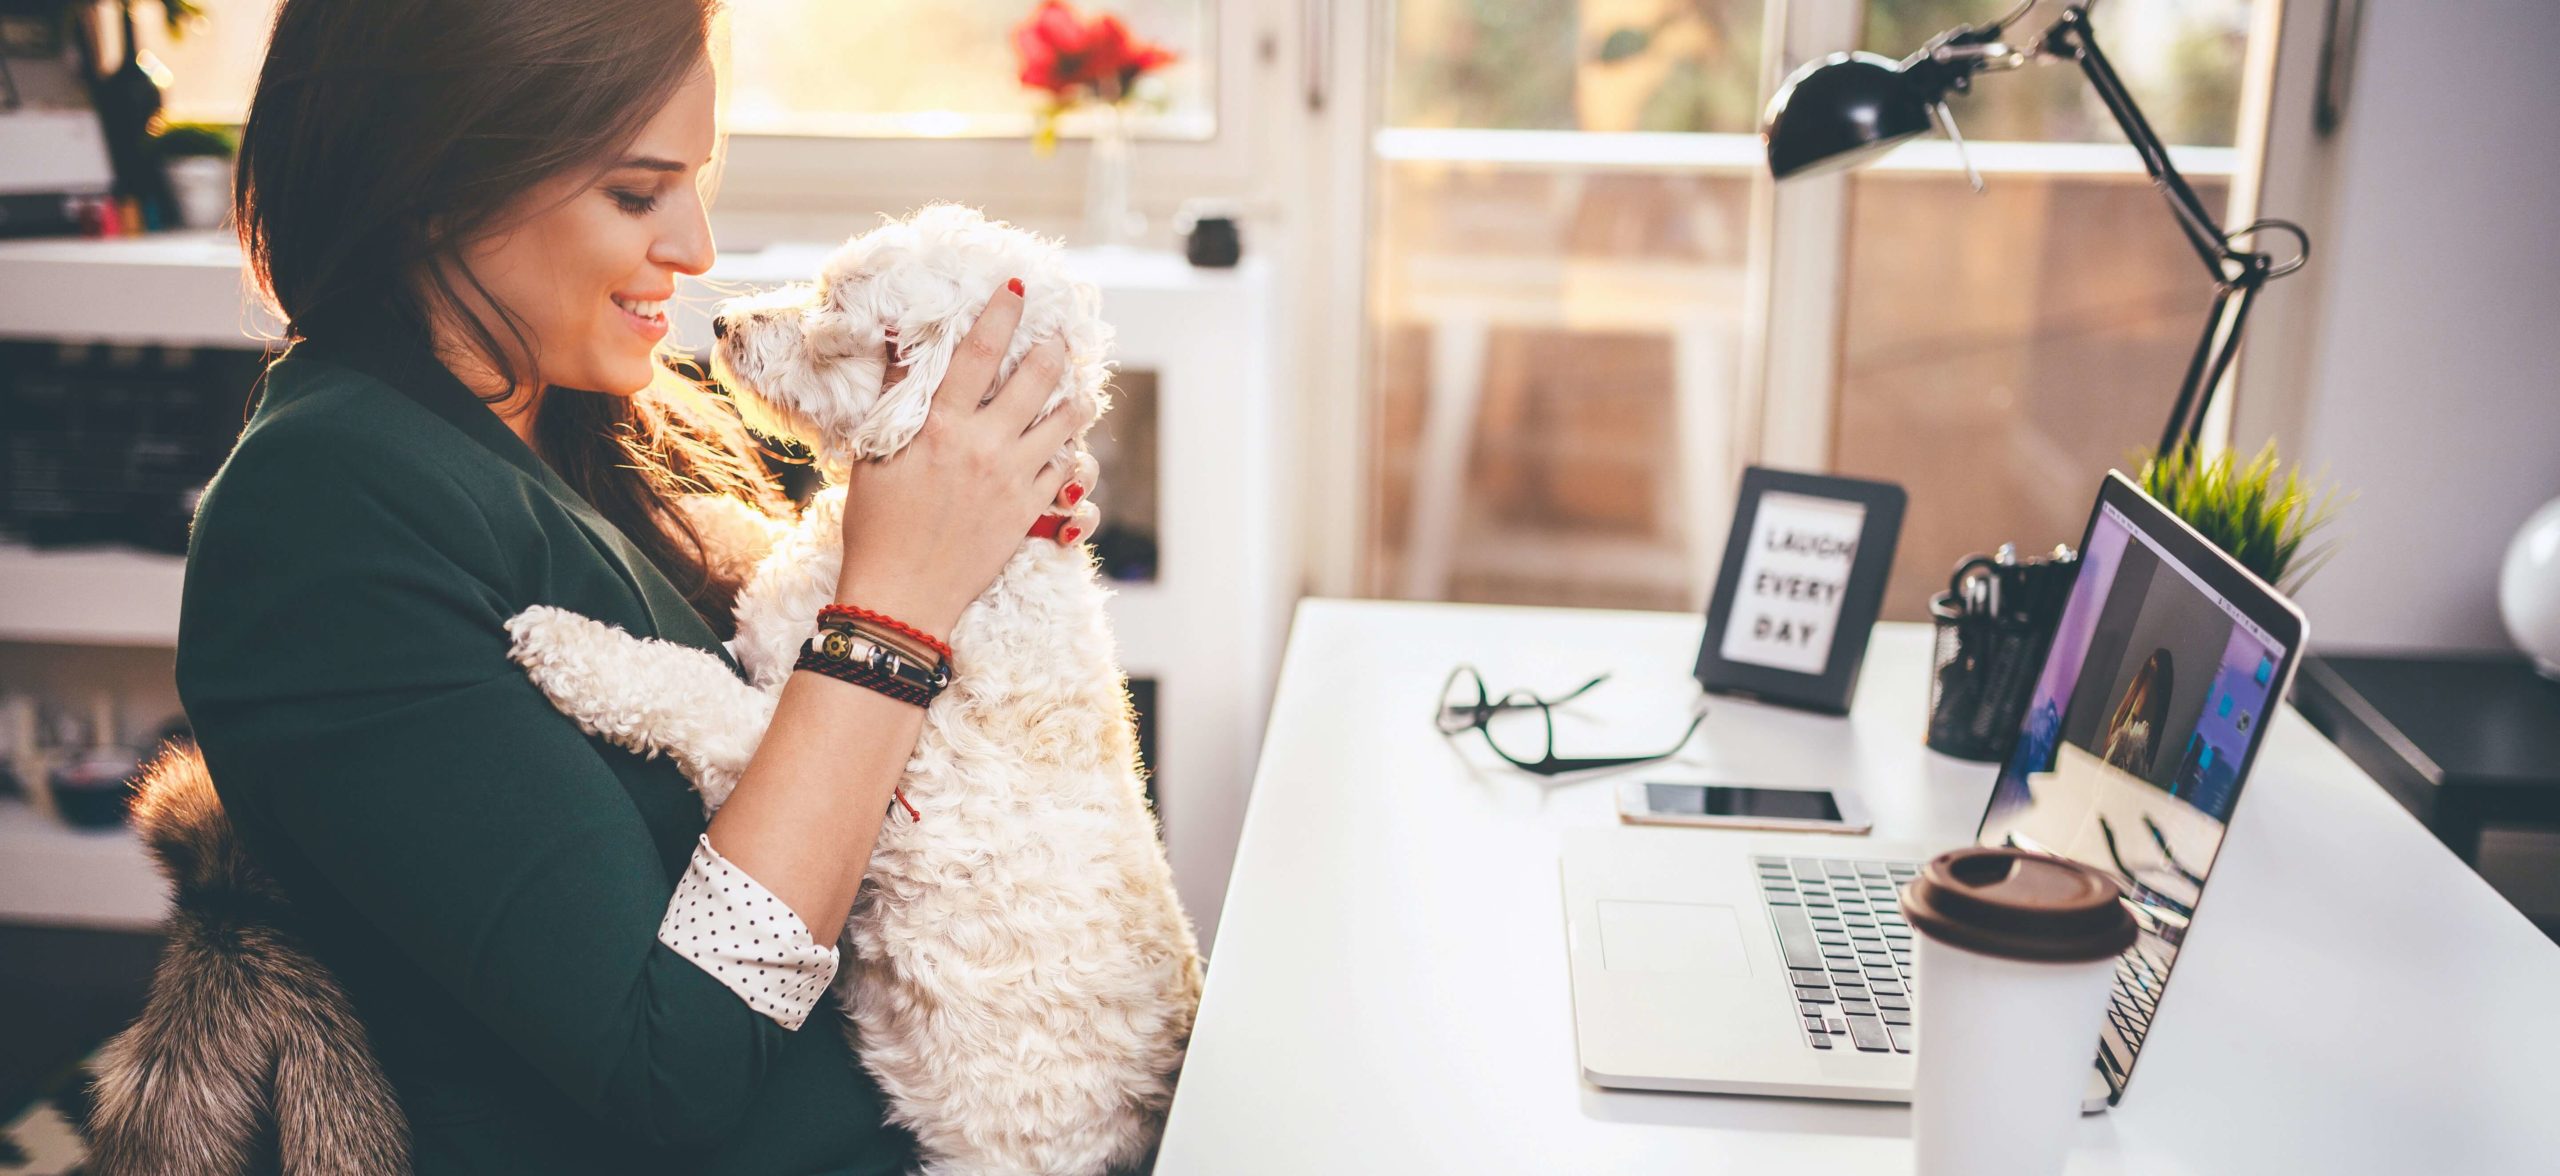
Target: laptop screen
x=2130, y=758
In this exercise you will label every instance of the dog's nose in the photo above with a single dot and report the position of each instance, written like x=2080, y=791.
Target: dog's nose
x=719, y=327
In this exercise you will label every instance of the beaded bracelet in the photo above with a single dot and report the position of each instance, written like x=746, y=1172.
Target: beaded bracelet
x=910, y=648
x=850, y=613
x=844, y=642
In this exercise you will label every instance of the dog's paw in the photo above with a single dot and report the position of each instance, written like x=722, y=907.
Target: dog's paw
x=557, y=648
x=541, y=635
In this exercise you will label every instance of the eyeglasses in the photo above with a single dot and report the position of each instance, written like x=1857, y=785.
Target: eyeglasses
x=1521, y=724
x=2144, y=891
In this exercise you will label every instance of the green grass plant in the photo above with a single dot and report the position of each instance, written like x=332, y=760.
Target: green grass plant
x=180, y=139
x=2261, y=514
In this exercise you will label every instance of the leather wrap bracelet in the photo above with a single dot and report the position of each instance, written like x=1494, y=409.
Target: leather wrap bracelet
x=848, y=655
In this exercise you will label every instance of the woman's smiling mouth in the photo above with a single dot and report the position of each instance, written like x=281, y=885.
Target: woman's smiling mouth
x=647, y=316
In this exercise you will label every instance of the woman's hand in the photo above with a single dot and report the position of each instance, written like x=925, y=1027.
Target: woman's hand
x=1078, y=515
x=929, y=527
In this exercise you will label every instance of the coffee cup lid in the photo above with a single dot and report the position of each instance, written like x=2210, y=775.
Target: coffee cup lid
x=2020, y=905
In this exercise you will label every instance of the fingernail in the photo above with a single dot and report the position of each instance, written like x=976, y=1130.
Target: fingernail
x=1067, y=538
x=1015, y=285
x=1075, y=493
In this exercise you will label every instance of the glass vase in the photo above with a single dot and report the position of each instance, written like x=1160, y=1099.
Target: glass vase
x=1108, y=221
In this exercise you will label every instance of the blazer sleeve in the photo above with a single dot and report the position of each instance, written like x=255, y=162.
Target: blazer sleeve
x=342, y=662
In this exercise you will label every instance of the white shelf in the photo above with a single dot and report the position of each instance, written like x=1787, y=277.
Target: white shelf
x=54, y=874
x=90, y=596
x=187, y=289
x=179, y=289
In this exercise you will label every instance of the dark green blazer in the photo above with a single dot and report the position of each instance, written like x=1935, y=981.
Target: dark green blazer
x=485, y=880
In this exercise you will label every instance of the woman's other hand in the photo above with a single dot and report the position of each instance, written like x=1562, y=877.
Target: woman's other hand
x=929, y=527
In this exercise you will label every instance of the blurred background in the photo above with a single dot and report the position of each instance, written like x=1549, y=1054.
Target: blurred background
x=1442, y=300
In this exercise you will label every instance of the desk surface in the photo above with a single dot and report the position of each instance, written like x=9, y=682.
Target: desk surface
x=1390, y=992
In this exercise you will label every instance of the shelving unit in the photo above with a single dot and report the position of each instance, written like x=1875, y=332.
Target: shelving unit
x=1208, y=629
x=55, y=874
x=89, y=596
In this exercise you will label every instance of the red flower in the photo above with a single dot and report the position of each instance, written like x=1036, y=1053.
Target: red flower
x=1060, y=51
x=1051, y=44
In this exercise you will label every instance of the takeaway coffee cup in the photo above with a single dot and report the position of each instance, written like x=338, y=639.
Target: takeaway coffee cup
x=2017, y=955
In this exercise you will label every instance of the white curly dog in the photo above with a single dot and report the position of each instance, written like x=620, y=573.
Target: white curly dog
x=1023, y=978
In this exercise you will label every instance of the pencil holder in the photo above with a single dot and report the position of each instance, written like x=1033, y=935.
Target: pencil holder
x=1981, y=674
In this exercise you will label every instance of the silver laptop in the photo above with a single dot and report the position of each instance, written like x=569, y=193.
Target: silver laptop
x=1710, y=960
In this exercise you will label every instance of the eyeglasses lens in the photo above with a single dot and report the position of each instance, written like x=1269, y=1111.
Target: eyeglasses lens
x=1520, y=728
x=1461, y=701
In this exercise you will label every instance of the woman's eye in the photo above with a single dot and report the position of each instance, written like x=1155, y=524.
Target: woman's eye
x=635, y=203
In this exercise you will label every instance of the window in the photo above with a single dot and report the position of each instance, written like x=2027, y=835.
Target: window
x=918, y=69
x=935, y=68
x=213, y=60
x=1562, y=285
x=1561, y=260
x=1998, y=352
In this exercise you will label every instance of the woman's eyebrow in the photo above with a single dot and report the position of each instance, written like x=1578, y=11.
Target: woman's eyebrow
x=649, y=163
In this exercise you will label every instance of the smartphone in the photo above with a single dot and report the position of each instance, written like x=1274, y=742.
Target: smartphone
x=1742, y=806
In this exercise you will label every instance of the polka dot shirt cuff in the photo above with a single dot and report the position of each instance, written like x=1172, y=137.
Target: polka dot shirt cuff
x=729, y=925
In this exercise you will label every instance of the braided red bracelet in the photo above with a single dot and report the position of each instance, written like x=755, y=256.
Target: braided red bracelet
x=884, y=620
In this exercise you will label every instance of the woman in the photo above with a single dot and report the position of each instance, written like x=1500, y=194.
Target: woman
x=2133, y=731
x=470, y=213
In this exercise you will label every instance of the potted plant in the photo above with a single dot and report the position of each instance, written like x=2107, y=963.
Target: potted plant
x=198, y=159
x=126, y=95
x=2262, y=520
x=1089, y=62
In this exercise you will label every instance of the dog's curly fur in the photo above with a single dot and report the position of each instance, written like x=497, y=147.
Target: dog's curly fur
x=247, y=1056
x=1024, y=979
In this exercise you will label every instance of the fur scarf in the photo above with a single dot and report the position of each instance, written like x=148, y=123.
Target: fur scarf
x=247, y=1056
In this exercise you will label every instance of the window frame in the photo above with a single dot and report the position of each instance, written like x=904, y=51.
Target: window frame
x=767, y=175
x=1788, y=391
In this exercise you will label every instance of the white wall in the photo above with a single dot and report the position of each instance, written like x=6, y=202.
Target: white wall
x=2434, y=367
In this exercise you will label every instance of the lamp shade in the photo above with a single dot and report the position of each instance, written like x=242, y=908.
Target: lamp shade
x=1839, y=112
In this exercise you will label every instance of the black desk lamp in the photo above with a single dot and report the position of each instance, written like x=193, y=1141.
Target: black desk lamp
x=1849, y=108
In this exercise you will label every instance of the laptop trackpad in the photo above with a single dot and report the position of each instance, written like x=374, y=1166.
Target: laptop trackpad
x=1672, y=937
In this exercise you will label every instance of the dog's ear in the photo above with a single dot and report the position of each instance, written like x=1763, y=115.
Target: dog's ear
x=830, y=333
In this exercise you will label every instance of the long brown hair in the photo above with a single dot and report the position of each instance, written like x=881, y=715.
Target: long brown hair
x=384, y=137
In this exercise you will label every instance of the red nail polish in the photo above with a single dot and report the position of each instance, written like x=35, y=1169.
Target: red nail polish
x=1075, y=494
x=1015, y=285
x=1067, y=538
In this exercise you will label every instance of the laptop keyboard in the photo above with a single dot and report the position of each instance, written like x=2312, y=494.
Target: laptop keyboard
x=2139, y=976
x=1848, y=952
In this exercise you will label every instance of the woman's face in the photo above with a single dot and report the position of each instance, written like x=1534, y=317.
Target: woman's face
x=587, y=263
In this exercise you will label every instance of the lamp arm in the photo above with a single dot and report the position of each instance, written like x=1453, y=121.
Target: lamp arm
x=2238, y=274
x=2071, y=36
x=2213, y=355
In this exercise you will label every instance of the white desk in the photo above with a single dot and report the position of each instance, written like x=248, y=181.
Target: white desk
x=1390, y=994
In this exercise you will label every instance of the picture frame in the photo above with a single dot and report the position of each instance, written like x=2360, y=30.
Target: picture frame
x=1802, y=581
